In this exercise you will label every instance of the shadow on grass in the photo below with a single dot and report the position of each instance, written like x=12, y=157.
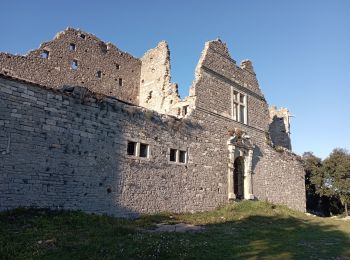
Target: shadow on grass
x=276, y=237
x=43, y=234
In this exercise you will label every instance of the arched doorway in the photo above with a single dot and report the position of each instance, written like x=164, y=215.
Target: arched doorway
x=238, y=177
x=239, y=181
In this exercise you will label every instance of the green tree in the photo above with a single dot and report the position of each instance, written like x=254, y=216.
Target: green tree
x=313, y=173
x=316, y=201
x=336, y=180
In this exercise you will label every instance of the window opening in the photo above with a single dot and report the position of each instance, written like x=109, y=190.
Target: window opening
x=72, y=47
x=131, y=149
x=44, y=54
x=74, y=65
x=182, y=157
x=143, y=150
x=173, y=155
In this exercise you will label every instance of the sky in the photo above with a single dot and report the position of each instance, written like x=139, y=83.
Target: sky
x=300, y=49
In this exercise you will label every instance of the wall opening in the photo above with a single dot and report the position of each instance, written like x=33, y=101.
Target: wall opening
x=72, y=47
x=44, y=54
x=120, y=82
x=238, y=178
x=131, y=148
x=74, y=65
x=182, y=157
x=144, y=150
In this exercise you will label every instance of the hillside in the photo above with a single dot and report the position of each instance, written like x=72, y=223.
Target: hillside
x=240, y=230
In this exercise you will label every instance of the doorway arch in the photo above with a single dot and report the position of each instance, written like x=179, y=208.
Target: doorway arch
x=239, y=181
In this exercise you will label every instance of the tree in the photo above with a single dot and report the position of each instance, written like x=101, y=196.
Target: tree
x=316, y=201
x=336, y=170
x=313, y=173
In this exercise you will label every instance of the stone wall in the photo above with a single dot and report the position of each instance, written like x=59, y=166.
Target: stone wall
x=60, y=150
x=66, y=147
x=101, y=67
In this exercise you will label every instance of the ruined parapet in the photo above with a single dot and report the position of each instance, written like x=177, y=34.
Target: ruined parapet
x=280, y=127
x=156, y=90
x=75, y=57
x=247, y=65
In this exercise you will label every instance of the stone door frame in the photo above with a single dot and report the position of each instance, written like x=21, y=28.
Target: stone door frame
x=237, y=149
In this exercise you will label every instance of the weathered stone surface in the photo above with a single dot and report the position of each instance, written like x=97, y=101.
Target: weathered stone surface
x=280, y=127
x=62, y=146
x=101, y=67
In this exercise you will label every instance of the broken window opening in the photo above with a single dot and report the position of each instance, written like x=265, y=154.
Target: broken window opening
x=184, y=110
x=82, y=36
x=72, y=47
x=74, y=65
x=117, y=66
x=131, y=148
x=44, y=54
x=99, y=74
x=144, y=150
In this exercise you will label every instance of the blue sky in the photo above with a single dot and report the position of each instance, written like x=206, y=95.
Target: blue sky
x=300, y=49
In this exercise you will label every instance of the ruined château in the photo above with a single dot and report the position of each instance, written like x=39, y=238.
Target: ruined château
x=84, y=125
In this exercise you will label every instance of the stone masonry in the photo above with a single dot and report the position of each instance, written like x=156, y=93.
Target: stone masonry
x=73, y=138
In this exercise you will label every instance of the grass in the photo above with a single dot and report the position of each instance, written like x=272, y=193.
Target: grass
x=245, y=230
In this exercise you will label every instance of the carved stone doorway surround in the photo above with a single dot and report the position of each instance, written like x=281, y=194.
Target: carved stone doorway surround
x=239, y=145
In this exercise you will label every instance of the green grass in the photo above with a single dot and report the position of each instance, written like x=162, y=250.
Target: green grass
x=246, y=230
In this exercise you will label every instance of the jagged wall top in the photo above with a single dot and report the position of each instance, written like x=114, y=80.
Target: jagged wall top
x=74, y=57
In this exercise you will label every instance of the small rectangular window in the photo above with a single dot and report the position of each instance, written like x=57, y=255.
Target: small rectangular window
x=120, y=82
x=72, y=47
x=242, y=114
x=235, y=96
x=182, y=157
x=184, y=110
x=143, y=150
x=74, y=65
x=173, y=155
x=131, y=149
x=241, y=98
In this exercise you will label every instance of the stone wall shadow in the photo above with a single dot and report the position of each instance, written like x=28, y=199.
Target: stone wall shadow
x=257, y=154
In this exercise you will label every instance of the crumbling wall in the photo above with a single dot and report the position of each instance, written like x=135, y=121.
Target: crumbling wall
x=279, y=128
x=67, y=148
x=79, y=59
x=156, y=90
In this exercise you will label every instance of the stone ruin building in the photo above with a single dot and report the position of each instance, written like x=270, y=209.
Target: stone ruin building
x=84, y=125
